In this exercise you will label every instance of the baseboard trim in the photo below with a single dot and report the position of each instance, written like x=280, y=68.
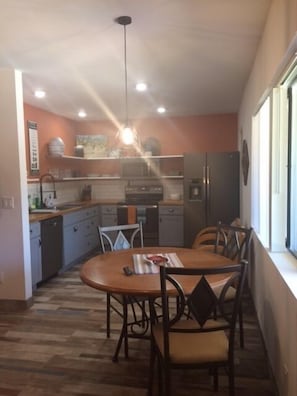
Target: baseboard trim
x=15, y=305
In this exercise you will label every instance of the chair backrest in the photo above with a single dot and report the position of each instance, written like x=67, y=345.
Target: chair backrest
x=120, y=237
x=207, y=236
x=237, y=240
x=203, y=303
x=206, y=239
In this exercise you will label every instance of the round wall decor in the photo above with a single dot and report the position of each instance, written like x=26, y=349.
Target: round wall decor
x=245, y=162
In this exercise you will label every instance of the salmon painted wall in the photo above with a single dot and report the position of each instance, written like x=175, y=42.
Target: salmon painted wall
x=49, y=125
x=176, y=135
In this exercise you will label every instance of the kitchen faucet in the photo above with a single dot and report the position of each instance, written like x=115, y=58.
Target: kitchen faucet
x=46, y=176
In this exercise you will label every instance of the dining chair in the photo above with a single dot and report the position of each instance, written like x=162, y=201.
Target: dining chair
x=206, y=239
x=114, y=238
x=237, y=241
x=189, y=337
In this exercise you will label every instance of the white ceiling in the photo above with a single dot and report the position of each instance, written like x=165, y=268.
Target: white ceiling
x=195, y=55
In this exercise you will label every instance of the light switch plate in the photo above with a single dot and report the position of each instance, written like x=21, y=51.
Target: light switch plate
x=7, y=202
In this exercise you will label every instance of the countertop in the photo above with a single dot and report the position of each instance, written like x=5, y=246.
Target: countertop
x=171, y=202
x=33, y=217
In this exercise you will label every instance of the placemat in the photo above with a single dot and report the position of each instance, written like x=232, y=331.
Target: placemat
x=143, y=266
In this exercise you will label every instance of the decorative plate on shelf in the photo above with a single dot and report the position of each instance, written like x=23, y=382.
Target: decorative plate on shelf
x=152, y=145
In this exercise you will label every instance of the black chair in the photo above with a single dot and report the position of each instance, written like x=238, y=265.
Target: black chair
x=188, y=337
x=237, y=241
x=117, y=238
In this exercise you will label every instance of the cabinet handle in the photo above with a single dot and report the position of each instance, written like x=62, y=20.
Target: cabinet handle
x=170, y=210
x=39, y=241
x=75, y=228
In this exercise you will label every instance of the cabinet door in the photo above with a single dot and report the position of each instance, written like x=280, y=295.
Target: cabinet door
x=92, y=233
x=171, y=225
x=109, y=215
x=89, y=235
x=73, y=249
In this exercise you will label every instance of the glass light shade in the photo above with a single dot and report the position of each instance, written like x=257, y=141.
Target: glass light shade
x=127, y=135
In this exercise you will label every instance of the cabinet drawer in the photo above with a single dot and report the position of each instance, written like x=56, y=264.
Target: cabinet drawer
x=34, y=230
x=90, y=212
x=80, y=215
x=171, y=210
x=108, y=209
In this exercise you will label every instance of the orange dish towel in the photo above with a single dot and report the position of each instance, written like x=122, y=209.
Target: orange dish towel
x=131, y=215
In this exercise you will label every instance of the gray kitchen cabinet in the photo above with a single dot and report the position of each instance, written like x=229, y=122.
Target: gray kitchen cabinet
x=108, y=215
x=80, y=235
x=171, y=225
x=35, y=246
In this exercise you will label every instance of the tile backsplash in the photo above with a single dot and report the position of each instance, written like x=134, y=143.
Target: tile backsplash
x=69, y=191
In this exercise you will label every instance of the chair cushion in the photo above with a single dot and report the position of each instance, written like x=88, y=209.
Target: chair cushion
x=230, y=295
x=190, y=348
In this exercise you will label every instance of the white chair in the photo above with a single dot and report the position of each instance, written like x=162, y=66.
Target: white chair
x=114, y=238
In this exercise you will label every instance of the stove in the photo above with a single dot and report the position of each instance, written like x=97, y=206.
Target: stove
x=143, y=195
x=145, y=198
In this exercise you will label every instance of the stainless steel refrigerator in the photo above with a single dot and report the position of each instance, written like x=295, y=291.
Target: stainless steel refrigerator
x=211, y=191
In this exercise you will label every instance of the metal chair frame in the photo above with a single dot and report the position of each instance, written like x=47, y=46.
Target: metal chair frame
x=194, y=305
x=237, y=241
x=138, y=326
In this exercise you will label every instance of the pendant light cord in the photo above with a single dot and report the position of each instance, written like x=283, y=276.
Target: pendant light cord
x=124, y=21
x=126, y=79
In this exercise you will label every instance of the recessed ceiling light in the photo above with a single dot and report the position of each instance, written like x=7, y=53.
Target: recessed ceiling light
x=141, y=87
x=39, y=93
x=161, y=110
x=82, y=114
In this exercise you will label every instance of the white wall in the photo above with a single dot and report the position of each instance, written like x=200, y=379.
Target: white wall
x=276, y=305
x=15, y=265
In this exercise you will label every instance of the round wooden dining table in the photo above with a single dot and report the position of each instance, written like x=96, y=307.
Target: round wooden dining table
x=105, y=271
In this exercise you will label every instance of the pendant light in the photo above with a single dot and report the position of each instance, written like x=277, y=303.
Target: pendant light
x=127, y=134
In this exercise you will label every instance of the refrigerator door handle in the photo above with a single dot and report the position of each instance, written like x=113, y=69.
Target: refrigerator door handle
x=208, y=188
x=204, y=181
x=204, y=175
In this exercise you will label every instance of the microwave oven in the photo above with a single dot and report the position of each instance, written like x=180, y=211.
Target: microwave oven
x=139, y=167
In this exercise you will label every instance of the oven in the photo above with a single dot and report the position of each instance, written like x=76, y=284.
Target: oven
x=144, y=200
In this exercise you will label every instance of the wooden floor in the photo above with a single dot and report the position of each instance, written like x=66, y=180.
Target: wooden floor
x=59, y=347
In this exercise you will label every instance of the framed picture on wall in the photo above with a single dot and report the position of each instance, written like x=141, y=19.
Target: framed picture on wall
x=33, y=148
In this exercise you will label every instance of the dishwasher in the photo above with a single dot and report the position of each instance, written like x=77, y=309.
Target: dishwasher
x=51, y=246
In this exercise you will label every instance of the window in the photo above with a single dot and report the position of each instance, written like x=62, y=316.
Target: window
x=261, y=172
x=274, y=166
x=292, y=169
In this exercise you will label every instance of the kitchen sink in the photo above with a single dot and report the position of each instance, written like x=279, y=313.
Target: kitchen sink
x=45, y=210
x=57, y=208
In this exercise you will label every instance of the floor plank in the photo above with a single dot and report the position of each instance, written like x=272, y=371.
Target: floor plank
x=59, y=347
